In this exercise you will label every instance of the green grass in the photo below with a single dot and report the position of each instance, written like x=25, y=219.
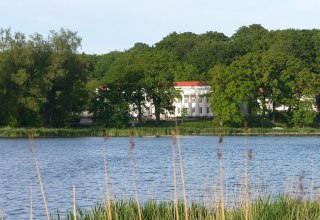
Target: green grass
x=186, y=128
x=282, y=207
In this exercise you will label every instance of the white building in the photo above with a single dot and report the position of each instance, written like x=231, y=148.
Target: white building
x=193, y=100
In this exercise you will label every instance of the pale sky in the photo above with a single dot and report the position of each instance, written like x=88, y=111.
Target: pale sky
x=107, y=25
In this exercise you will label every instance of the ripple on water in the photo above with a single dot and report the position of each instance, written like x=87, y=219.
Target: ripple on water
x=79, y=162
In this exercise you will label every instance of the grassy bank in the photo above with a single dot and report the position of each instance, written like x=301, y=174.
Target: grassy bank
x=280, y=208
x=147, y=131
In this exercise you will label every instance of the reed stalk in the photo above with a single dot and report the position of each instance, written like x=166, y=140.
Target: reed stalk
x=74, y=204
x=31, y=211
x=1, y=214
x=248, y=156
x=318, y=198
x=221, y=175
x=133, y=172
x=300, y=194
x=108, y=206
x=216, y=205
x=312, y=183
x=246, y=185
x=174, y=142
x=33, y=151
x=246, y=188
x=182, y=175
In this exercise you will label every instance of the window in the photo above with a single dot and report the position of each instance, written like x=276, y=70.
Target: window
x=179, y=110
x=200, y=110
x=186, y=100
x=200, y=100
x=193, y=100
x=208, y=109
x=193, y=110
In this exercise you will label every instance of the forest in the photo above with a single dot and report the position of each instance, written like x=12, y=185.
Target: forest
x=46, y=82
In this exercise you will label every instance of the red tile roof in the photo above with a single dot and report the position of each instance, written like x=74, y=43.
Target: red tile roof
x=190, y=83
x=103, y=87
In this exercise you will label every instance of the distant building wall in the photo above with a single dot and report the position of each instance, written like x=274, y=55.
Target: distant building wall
x=193, y=98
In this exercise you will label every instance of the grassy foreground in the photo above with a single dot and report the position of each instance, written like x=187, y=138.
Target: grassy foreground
x=280, y=208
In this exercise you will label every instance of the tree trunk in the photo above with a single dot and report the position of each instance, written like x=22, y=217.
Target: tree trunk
x=264, y=107
x=157, y=113
x=157, y=109
x=273, y=112
x=139, y=113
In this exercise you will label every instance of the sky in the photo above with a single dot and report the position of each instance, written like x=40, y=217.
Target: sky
x=108, y=25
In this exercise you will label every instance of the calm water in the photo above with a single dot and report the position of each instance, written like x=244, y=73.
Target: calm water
x=277, y=162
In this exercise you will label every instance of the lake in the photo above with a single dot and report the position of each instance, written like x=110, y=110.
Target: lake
x=277, y=162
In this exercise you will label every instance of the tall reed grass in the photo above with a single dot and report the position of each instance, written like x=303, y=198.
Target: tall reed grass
x=1, y=216
x=282, y=207
x=33, y=151
x=133, y=173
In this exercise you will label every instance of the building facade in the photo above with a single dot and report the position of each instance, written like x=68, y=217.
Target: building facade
x=194, y=99
x=194, y=102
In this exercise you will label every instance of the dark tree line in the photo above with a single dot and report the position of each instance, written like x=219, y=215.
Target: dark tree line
x=279, y=68
x=45, y=81
x=42, y=80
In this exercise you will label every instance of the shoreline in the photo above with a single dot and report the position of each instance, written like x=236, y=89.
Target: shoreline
x=148, y=132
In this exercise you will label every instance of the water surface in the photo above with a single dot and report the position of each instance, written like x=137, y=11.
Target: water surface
x=275, y=167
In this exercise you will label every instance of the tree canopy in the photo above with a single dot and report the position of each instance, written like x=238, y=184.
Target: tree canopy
x=42, y=80
x=45, y=81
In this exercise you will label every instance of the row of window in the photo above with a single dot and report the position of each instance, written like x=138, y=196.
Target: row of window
x=193, y=110
x=193, y=100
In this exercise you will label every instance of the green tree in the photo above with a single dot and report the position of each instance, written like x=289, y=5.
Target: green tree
x=226, y=99
x=66, y=77
x=178, y=44
x=304, y=115
x=103, y=64
x=296, y=43
x=110, y=108
x=127, y=74
x=146, y=74
x=42, y=80
x=253, y=38
x=283, y=79
x=184, y=113
x=211, y=49
x=24, y=67
x=160, y=67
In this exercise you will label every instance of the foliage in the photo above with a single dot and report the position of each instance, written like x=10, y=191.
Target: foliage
x=42, y=80
x=253, y=38
x=110, y=108
x=127, y=74
x=304, y=115
x=158, y=80
x=184, y=113
x=45, y=82
x=103, y=64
